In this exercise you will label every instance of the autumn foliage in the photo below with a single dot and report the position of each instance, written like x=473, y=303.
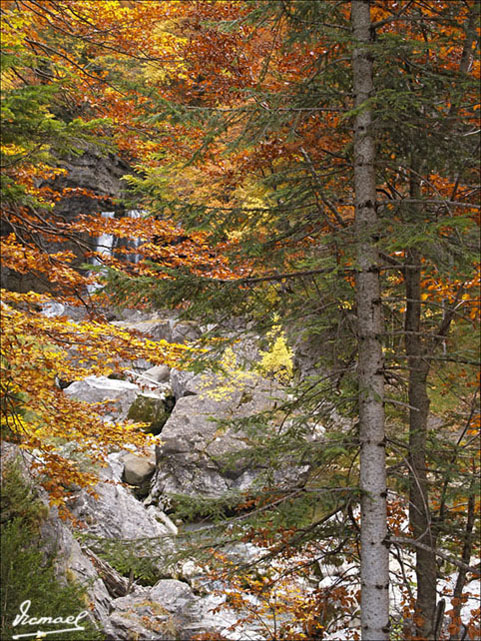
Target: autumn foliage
x=57, y=102
x=235, y=119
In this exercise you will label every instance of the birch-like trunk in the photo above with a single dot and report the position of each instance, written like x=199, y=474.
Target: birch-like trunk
x=374, y=553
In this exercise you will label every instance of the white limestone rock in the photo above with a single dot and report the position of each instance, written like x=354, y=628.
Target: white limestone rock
x=97, y=389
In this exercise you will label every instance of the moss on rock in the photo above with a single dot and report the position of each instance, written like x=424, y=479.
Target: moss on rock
x=151, y=410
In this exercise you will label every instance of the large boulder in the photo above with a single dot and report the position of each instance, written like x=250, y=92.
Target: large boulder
x=174, y=595
x=185, y=332
x=197, y=438
x=158, y=373
x=99, y=389
x=163, y=328
x=185, y=383
x=70, y=560
x=138, y=469
x=115, y=513
x=210, y=615
x=151, y=613
x=151, y=408
x=170, y=610
x=141, y=617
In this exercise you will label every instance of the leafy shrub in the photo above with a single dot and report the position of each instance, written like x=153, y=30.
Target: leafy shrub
x=277, y=360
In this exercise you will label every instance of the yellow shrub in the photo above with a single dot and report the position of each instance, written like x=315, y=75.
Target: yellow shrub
x=277, y=361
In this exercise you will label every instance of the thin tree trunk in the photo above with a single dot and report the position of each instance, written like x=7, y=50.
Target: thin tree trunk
x=466, y=557
x=374, y=553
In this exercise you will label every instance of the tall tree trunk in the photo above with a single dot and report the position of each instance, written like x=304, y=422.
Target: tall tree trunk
x=374, y=553
x=419, y=354
x=419, y=512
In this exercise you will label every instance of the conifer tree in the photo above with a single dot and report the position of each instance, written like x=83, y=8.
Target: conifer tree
x=372, y=472
x=284, y=133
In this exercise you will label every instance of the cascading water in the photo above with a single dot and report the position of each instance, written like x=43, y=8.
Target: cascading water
x=103, y=246
x=135, y=242
x=105, y=242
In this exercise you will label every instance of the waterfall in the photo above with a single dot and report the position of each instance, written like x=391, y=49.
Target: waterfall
x=135, y=242
x=104, y=246
x=105, y=242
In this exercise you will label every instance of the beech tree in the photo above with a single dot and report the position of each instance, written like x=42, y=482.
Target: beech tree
x=55, y=104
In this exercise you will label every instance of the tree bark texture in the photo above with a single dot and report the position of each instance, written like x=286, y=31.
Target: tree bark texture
x=419, y=512
x=374, y=553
